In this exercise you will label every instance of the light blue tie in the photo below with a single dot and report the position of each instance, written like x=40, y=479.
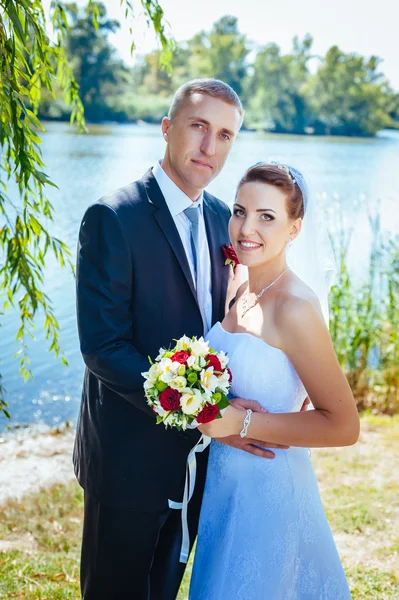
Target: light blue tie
x=193, y=214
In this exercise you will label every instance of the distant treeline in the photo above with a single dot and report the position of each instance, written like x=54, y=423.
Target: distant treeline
x=343, y=93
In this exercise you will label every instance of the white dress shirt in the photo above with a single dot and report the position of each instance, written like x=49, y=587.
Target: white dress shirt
x=177, y=201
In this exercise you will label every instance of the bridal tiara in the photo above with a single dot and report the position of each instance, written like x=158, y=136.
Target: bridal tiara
x=279, y=166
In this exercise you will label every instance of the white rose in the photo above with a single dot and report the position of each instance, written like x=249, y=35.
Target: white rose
x=178, y=383
x=200, y=347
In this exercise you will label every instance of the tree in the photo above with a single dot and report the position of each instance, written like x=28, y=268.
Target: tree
x=275, y=87
x=93, y=59
x=393, y=109
x=349, y=95
x=30, y=63
x=221, y=53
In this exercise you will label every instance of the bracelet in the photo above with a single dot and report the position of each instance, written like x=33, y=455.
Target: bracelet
x=247, y=421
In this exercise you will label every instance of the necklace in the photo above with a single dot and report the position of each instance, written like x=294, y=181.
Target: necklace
x=247, y=305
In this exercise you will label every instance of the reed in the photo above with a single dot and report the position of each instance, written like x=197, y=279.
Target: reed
x=364, y=317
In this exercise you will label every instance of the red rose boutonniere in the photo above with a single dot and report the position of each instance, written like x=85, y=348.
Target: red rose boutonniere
x=230, y=255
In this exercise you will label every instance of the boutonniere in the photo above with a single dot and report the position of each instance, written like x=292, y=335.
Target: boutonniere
x=230, y=255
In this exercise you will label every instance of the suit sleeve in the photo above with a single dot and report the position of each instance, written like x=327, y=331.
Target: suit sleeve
x=104, y=300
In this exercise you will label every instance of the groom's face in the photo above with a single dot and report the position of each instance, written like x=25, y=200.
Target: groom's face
x=199, y=138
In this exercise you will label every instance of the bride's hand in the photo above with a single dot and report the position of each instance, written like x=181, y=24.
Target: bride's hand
x=231, y=423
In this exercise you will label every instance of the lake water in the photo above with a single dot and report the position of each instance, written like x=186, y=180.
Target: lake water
x=354, y=173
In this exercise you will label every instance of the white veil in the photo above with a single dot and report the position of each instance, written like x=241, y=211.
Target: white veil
x=311, y=256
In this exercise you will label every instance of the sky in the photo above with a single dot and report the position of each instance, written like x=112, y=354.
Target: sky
x=363, y=26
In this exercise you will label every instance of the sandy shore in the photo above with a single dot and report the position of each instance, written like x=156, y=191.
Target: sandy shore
x=30, y=459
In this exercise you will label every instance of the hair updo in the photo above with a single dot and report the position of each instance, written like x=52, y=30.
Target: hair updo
x=281, y=177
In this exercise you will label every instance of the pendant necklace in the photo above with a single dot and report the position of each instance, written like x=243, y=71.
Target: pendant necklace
x=247, y=305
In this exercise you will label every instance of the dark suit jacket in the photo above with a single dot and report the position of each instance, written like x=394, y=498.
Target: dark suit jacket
x=135, y=294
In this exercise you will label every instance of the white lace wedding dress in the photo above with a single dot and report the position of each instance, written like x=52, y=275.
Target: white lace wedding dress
x=263, y=534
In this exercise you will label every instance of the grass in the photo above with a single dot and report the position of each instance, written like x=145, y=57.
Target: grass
x=40, y=535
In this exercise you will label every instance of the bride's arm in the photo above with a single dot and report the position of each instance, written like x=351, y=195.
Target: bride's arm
x=335, y=420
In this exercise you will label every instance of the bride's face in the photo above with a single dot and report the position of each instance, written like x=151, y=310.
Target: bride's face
x=260, y=227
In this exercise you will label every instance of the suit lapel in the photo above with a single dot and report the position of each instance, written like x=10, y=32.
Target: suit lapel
x=212, y=226
x=166, y=223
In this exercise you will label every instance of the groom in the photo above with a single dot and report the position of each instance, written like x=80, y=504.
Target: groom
x=150, y=268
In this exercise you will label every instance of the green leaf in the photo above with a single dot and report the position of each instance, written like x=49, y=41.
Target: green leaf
x=33, y=118
x=224, y=403
x=31, y=66
x=12, y=13
x=34, y=223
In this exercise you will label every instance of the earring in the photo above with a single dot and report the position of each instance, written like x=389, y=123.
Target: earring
x=290, y=243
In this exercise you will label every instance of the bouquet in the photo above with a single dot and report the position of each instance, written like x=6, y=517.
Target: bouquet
x=188, y=385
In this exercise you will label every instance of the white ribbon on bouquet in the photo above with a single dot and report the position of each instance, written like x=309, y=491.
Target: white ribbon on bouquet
x=191, y=472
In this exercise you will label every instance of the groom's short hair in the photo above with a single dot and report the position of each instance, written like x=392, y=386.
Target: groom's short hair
x=211, y=87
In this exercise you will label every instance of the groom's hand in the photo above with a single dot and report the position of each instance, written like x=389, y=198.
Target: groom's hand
x=237, y=277
x=248, y=444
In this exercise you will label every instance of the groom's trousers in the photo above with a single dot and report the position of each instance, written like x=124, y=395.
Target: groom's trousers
x=133, y=555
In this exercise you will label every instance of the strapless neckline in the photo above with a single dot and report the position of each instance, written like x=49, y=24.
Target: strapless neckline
x=248, y=335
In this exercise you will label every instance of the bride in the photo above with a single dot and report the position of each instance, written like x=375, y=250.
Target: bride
x=263, y=534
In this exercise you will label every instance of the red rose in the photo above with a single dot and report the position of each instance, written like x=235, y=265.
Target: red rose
x=230, y=255
x=181, y=357
x=230, y=375
x=208, y=413
x=170, y=399
x=214, y=362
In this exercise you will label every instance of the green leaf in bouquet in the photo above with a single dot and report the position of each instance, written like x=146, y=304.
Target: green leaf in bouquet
x=224, y=403
x=181, y=370
x=168, y=354
x=159, y=419
x=160, y=385
x=151, y=362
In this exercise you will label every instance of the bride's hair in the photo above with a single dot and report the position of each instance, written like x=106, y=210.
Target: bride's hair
x=280, y=176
